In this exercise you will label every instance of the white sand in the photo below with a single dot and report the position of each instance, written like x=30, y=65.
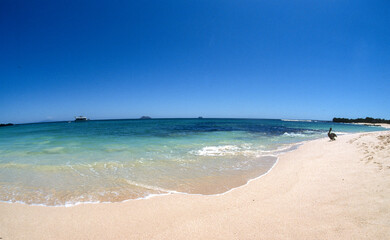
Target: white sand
x=323, y=190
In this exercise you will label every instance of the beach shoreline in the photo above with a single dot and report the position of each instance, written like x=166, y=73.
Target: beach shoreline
x=322, y=190
x=384, y=125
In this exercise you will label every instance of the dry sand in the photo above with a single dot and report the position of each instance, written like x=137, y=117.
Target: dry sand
x=323, y=190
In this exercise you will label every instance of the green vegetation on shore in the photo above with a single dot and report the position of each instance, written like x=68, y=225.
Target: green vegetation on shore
x=361, y=120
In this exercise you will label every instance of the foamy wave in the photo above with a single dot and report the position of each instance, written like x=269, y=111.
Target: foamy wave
x=294, y=134
x=341, y=133
x=217, y=150
x=244, y=150
x=149, y=186
x=279, y=150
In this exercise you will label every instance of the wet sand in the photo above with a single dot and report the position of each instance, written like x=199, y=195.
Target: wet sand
x=323, y=190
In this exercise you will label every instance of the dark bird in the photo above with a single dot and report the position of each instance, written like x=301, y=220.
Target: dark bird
x=332, y=135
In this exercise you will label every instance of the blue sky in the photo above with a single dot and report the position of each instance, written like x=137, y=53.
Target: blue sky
x=255, y=59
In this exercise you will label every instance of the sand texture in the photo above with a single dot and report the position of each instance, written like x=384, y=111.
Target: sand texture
x=323, y=190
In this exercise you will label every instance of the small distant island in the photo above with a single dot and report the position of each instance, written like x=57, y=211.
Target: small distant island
x=368, y=120
x=80, y=119
x=6, y=124
x=145, y=117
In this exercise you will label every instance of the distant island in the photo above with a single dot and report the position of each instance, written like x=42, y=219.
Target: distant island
x=145, y=117
x=361, y=120
x=80, y=119
x=6, y=124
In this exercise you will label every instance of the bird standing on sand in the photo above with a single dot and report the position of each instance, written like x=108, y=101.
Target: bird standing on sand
x=332, y=135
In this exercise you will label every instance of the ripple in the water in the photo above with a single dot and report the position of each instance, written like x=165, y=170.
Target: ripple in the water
x=109, y=161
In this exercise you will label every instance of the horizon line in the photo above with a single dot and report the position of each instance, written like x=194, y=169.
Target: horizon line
x=167, y=118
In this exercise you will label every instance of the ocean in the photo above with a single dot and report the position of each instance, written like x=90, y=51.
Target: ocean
x=68, y=163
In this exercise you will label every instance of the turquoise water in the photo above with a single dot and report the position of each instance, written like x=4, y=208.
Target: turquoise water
x=107, y=161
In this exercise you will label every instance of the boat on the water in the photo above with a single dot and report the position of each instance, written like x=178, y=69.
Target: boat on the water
x=80, y=118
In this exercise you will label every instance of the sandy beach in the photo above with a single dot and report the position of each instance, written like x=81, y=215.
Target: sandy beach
x=323, y=190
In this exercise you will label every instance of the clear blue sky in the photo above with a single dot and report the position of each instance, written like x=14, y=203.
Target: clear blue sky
x=257, y=59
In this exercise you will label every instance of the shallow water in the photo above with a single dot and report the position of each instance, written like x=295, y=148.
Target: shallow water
x=108, y=161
